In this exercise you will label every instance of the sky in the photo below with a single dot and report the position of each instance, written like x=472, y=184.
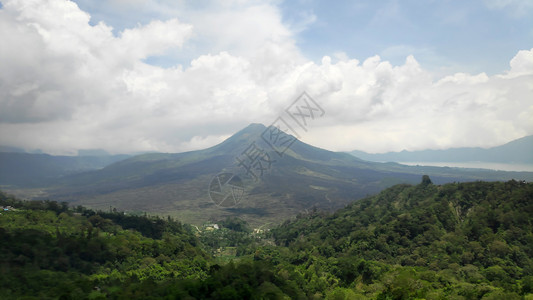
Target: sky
x=130, y=76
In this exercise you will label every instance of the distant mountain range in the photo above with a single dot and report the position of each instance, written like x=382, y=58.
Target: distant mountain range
x=519, y=151
x=26, y=169
x=180, y=184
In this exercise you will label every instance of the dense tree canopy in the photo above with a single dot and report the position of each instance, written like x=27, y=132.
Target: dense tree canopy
x=455, y=241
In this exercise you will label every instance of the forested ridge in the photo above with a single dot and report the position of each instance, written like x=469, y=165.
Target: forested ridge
x=464, y=241
x=454, y=241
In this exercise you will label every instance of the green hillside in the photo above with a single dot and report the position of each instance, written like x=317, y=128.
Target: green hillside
x=454, y=241
x=48, y=251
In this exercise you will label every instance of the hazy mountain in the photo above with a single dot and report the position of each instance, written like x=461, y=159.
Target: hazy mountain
x=517, y=151
x=302, y=177
x=11, y=149
x=92, y=152
x=27, y=169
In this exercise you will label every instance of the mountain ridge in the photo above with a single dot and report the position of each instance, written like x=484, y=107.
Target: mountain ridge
x=516, y=151
x=299, y=178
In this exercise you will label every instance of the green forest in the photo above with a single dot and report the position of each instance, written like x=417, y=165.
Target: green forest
x=454, y=241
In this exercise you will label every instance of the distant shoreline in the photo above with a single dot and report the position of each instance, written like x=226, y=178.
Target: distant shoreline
x=475, y=165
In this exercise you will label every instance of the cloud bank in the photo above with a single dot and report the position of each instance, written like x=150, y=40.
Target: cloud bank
x=67, y=84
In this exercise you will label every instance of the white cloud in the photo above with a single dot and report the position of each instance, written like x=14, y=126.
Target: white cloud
x=68, y=85
x=154, y=38
x=521, y=64
x=408, y=110
x=242, y=29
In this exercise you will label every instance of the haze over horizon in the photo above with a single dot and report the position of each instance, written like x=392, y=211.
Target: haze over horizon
x=148, y=75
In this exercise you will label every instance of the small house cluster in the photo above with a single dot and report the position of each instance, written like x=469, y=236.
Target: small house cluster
x=211, y=227
x=6, y=209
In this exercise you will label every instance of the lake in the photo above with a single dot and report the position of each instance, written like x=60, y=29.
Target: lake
x=475, y=165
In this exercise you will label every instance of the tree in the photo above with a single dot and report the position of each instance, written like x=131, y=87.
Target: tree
x=426, y=180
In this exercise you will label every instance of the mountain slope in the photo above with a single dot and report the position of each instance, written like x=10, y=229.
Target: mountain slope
x=517, y=151
x=301, y=178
